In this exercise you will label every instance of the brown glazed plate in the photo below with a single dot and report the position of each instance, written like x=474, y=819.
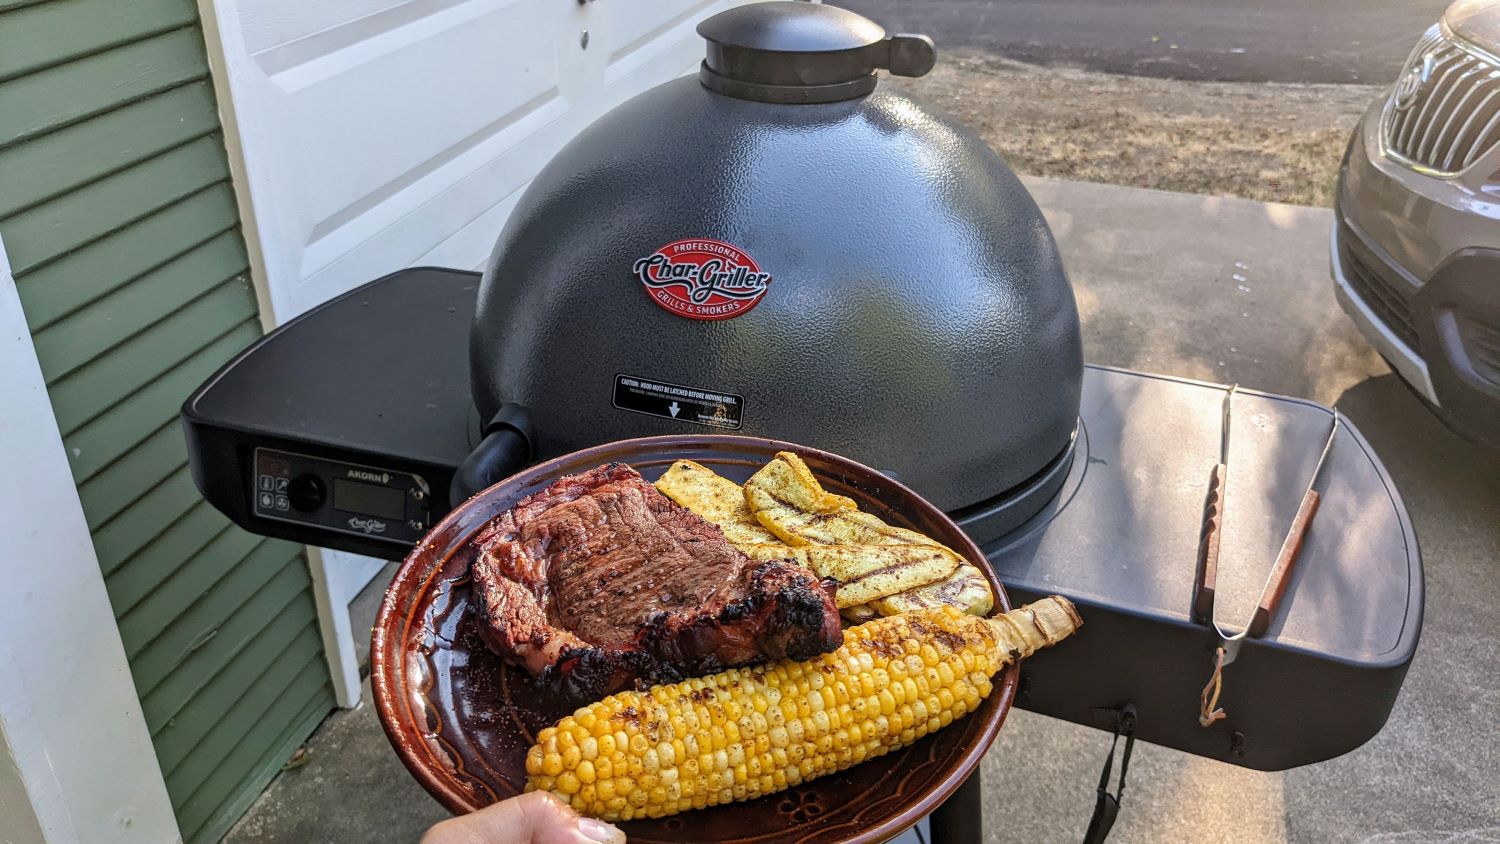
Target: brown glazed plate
x=462, y=720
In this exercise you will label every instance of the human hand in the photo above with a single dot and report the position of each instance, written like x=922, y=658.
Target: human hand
x=532, y=818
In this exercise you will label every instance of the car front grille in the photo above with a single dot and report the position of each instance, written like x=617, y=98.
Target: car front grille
x=1444, y=112
x=1481, y=341
x=1389, y=301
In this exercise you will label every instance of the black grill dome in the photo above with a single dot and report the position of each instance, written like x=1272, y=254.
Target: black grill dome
x=876, y=281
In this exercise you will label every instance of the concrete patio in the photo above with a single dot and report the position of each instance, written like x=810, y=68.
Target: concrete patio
x=1153, y=273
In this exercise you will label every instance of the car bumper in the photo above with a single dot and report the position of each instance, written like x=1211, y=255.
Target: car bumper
x=1416, y=265
x=1404, y=359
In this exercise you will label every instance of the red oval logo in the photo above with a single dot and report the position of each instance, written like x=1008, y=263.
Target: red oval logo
x=705, y=279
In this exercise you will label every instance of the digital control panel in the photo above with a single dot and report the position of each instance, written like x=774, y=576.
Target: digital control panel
x=345, y=497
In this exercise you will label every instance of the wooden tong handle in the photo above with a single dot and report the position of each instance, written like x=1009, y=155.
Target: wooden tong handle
x=1281, y=575
x=1208, y=547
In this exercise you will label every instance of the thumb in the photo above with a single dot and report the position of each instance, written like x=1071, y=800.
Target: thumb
x=532, y=818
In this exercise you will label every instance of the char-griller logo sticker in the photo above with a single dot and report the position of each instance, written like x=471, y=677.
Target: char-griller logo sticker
x=703, y=279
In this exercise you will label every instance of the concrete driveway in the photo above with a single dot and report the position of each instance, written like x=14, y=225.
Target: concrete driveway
x=1155, y=280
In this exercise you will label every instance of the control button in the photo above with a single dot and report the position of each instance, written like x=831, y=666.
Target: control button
x=267, y=483
x=417, y=524
x=306, y=493
x=267, y=501
x=417, y=494
x=281, y=484
x=282, y=503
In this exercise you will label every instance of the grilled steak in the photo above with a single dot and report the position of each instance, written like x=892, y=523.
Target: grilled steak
x=599, y=582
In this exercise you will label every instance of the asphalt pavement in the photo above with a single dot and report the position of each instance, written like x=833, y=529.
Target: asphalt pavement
x=1154, y=275
x=1339, y=41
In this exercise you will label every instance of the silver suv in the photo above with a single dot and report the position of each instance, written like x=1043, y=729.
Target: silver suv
x=1416, y=236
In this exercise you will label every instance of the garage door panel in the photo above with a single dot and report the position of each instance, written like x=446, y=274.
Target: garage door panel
x=426, y=118
x=394, y=226
x=300, y=63
x=496, y=181
x=639, y=40
x=272, y=23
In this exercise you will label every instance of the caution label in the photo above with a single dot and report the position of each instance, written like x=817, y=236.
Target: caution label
x=674, y=401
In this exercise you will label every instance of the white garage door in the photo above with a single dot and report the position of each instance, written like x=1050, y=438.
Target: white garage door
x=378, y=135
x=374, y=135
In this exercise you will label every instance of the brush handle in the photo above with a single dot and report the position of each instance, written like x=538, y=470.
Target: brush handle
x=1281, y=575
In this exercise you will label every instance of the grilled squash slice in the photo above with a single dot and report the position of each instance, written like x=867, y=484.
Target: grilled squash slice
x=881, y=569
x=721, y=501
x=965, y=589
x=868, y=557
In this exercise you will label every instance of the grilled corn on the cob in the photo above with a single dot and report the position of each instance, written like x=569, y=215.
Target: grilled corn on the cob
x=748, y=732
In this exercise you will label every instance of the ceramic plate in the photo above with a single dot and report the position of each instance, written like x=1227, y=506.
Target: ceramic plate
x=462, y=720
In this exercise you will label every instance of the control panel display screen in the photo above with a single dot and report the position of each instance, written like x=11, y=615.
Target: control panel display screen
x=367, y=499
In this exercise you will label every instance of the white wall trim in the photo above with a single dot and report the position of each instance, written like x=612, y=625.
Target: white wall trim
x=73, y=741
x=337, y=578
x=218, y=71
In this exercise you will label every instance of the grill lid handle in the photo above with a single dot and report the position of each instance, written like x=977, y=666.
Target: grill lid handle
x=793, y=51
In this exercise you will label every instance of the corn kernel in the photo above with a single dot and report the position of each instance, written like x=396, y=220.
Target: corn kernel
x=552, y=764
x=585, y=771
x=779, y=737
x=567, y=783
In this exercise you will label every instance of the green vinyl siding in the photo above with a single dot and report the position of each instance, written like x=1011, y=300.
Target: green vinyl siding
x=120, y=224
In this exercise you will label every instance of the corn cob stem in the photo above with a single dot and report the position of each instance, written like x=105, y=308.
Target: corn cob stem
x=748, y=732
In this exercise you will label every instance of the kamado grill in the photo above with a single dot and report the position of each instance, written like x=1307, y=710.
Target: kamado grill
x=781, y=248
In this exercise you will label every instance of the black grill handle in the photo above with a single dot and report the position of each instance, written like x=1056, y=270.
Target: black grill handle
x=505, y=450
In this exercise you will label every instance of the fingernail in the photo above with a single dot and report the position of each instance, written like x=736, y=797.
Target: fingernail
x=600, y=831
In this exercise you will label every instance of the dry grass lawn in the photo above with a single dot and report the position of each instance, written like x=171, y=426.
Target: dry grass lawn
x=1263, y=141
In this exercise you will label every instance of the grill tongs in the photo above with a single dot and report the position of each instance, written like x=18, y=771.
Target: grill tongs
x=1208, y=564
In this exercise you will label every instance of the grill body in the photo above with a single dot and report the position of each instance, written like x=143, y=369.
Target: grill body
x=918, y=318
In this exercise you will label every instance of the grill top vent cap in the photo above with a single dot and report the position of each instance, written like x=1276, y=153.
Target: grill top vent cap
x=799, y=52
